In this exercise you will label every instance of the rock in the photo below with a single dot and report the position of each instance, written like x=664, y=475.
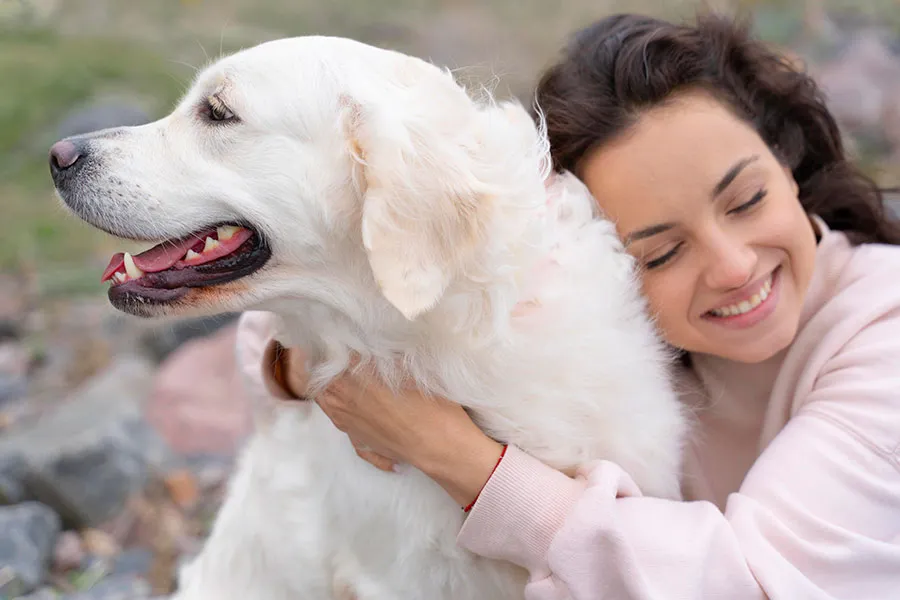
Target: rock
x=28, y=532
x=14, y=363
x=79, y=339
x=13, y=298
x=45, y=593
x=134, y=561
x=102, y=114
x=198, y=404
x=99, y=543
x=210, y=470
x=116, y=587
x=13, y=470
x=93, y=452
x=9, y=331
x=12, y=388
x=157, y=523
x=69, y=552
x=183, y=488
x=162, y=341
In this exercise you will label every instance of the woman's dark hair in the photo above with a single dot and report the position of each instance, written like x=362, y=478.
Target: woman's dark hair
x=624, y=64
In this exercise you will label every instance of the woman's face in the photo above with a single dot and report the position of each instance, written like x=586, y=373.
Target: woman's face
x=725, y=249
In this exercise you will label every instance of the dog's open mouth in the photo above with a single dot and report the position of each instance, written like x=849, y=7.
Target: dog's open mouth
x=165, y=272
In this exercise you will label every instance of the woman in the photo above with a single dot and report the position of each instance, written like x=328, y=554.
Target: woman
x=770, y=262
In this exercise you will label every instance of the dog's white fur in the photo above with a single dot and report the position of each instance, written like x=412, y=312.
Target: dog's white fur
x=422, y=230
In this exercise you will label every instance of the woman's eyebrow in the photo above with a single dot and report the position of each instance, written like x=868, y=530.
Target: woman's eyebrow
x=732, y=174
x=646, y=232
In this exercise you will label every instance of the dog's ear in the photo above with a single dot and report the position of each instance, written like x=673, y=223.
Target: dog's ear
x=425, y=208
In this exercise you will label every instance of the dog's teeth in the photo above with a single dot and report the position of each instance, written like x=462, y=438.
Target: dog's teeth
x=226, y=232
x=211, y=244
x=191, y=255
x=120, y=277
x=132, y=269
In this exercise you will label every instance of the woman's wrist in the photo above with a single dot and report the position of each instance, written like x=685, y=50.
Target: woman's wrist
x=464, y=466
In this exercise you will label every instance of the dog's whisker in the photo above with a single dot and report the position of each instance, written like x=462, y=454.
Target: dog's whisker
x=222, y=38
x=204, y=51
x=184, y=64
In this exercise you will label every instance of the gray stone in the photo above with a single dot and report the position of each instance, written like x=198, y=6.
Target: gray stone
x=14, y=363
x=116, y=587
x=12, y=388
x=162, y=341
x=28, y=532
x=94, y=451
x=9, y=331
x=102, y=114
x=133, y=561
x=45, y=593
x=13, y=470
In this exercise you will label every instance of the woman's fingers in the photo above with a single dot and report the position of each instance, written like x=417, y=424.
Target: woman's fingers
x=332, y=406
x=376, y=460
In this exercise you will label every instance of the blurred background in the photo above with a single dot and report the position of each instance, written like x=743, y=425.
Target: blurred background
x=116, y=434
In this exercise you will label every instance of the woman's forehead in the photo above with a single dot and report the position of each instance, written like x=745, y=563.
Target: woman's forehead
x=676, y=152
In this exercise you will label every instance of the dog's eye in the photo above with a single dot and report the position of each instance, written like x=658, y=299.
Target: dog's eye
x=215, y=110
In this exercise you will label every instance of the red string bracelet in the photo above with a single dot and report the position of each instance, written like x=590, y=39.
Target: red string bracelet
x=471, y=504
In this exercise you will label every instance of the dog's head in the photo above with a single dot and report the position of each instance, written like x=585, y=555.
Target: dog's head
x=295, y=161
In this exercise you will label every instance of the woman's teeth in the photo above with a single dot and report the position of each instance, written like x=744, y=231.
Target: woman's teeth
x=747, y=305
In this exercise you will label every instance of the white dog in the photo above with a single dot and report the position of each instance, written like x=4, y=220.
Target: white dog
x=366, y=199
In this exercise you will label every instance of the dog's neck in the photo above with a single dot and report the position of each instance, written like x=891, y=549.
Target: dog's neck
x=340, y=311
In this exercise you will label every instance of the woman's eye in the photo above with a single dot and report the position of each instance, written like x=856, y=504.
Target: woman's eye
x=658, y=262
x=756, y=199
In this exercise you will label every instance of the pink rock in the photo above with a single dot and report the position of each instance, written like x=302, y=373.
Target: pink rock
x=69, y=552
x=198, y=403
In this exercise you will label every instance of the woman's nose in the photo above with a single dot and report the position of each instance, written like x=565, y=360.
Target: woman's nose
x=731, y=264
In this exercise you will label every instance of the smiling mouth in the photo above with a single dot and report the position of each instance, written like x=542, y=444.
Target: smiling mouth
x=215, y=255
x=753, y=301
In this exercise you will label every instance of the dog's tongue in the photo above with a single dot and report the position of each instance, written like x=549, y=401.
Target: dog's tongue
x=158, y=258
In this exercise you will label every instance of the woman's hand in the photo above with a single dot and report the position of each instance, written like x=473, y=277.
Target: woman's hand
x=431, y=434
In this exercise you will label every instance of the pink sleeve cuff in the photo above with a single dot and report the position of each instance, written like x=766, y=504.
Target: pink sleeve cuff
x=519, y=512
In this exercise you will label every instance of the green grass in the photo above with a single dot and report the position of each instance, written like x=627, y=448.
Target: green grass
x=47, y=75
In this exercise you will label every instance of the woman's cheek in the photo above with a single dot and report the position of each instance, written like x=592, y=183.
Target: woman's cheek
x=669, y=301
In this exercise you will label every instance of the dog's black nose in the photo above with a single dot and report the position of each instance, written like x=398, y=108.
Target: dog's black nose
x=64, y=155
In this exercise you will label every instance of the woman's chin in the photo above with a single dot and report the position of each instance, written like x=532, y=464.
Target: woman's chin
x=759, y=350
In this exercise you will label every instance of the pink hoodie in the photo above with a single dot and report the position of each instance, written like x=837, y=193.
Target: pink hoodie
x=793, y=477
